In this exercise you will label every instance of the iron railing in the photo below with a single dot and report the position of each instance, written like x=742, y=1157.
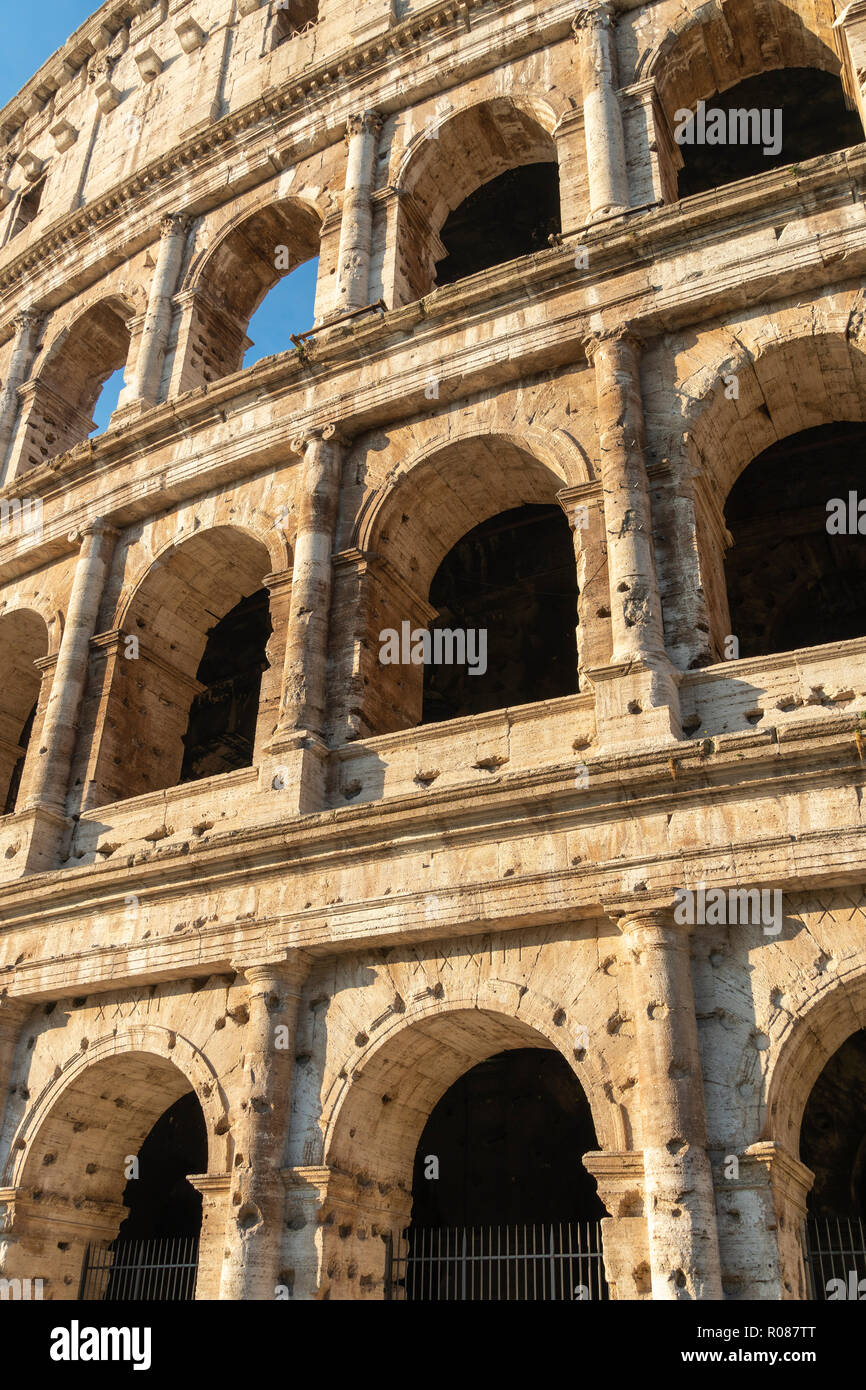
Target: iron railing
x=539, y=1263
x=835, y=1250
x=148, y=1271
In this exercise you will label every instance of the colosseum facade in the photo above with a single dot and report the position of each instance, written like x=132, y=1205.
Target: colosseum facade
x=333, y=967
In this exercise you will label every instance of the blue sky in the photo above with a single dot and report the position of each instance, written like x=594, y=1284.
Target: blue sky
x=30, y=35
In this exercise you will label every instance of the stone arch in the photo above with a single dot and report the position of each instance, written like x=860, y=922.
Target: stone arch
x=788, y=382
x=715, y=46
x=472, y=146
x=181, y=1067
x=172, y=608
x=228, y=279
x=413, y=1063
x=427, y=505
x=496, y=470
x=24, y=641
x=67, y=1168
x=775, y=56
x=803, y=1045
x=58, y=401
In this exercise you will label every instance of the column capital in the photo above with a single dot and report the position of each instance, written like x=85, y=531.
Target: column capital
x=593, y=16
x=364, y=123
x=173, y=223
x=27, y=319
x=291, y=971
x=621, y=333
x=99, y=526
x=647, y=924
x=315, y=434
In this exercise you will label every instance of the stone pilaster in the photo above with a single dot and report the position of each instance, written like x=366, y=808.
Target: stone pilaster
x=298, y=745
x=215, y=1189
x=254, y=1229
x=46, y=1237
x=356, y=227
x=645, y=681
x=50, y=779
x=27, y=326
x=679, y=1194
x=144, y=385
x=625, y=1238
x=13, y=1015
x=594, y=27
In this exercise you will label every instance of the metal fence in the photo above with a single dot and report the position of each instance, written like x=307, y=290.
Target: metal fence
x=541, y=1263
x=148, y=1271
x=835, y=1257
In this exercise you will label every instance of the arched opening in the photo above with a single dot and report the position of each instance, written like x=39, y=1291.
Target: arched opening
x=59, y=402
x=478, y=1089
x=796, y=570
x=186, y=697
x=471, y=547
x=774, y=118
x=287, y=308
x=512, y=215
x=154, y=1257
x=221, y=731
x=106, y=1158
x=249, y=261
x=502, y=1207
x=106, y=402
x=833, y=1145
x=512, y=581
x=479, y=189
x=23, y=641
x=749, y=55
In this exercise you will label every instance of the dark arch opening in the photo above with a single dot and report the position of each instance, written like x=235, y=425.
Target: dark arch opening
x=160, y=1200
x=18, y=769
x=833, y=1145
x=512, y=215
x=792, y=583
x=514, y=578
x=221, y=733
x=507, y=1139
x=814, y=120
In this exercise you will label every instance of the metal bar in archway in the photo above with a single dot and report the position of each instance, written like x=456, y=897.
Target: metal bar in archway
x=533, y=1263
x=141, y=1271
x=835, y=1257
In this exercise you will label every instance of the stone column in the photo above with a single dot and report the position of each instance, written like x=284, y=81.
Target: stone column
x=252, y=1264
x=144, y=384
x=214, y=1189
x=27, y=325
x=680, y=1201
x=50, y=779
x=621, y=1183
x=605, y=144
x=356, y=227
x=13, y=1015
x=849, y=33
x=635, y=605
x=302, y=706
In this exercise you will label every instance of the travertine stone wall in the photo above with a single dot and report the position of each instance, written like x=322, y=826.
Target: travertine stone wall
x=408, y=901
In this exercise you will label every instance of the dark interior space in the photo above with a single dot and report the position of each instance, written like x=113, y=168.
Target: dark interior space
x=814, y=121
x=509, y=1136
x=27, y=209
x=790, y=582
x=15, y=779
x=508, y=217
x=513, y=576
x=222, y=721
x=161, y=1202
x=833, y=1134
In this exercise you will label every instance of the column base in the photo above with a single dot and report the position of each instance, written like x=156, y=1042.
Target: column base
x=294, y=769
x=636, y=702
x=32, y=841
